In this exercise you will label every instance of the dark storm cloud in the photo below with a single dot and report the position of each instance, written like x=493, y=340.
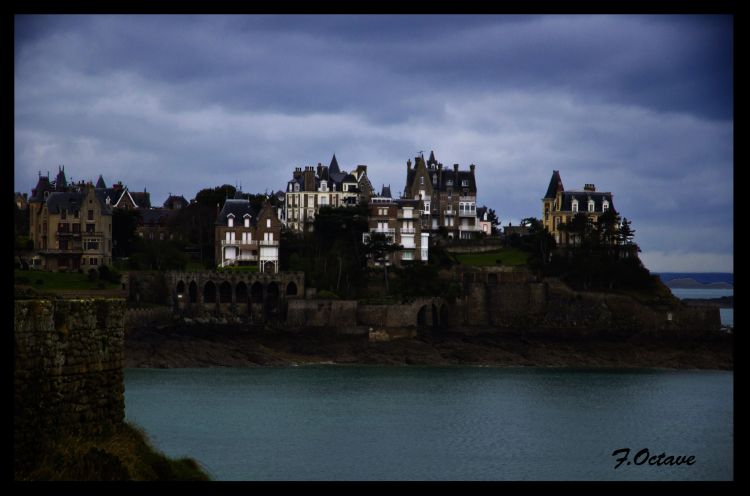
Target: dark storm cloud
x=641, y=105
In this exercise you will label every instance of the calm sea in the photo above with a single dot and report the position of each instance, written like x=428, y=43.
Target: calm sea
x=436, y=423
x=727, y=314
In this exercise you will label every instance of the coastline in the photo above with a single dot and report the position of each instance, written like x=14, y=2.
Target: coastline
x=170, y=347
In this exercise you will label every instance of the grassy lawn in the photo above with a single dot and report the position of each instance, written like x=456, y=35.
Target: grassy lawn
x=508, y=256
x=59, y=280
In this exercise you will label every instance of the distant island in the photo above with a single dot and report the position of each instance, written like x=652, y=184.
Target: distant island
x=690, y=283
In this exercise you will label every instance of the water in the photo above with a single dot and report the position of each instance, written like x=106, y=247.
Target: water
x=433, y=423
x=727, y=314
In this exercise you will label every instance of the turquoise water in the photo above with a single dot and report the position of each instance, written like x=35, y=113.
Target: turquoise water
x=727, y=314
x=435, y=423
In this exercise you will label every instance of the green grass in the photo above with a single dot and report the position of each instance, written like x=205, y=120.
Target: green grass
x=59, y=280
x=124, y=455
x=508, y=256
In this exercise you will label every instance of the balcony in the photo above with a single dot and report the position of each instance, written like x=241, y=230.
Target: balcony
x=239, y=242
x=93, y=234
x=468, y=228
x=450, y=211
x=467, y=198
x=68, y=234
x=72, y=251
x=268, y=242
x=383, y=231
x=467, y=213
x=408, y=230
x=405, y=215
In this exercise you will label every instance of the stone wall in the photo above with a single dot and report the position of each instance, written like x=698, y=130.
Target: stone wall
x=321, y=313
x=147, y=317
x=68, y=377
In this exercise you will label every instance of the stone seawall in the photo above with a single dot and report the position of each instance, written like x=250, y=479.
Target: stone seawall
x=68, y=377
x=146, y=317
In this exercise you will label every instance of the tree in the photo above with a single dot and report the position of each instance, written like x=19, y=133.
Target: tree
x=626, y=233
x=494, y=221
x=379, y=248
x=539, y=243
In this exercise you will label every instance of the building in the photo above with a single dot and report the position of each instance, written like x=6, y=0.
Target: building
x=399, y=220
x=449, y=196
x=321, y=186
x=247, y=237
x=483, y=222
x=69, y=225
x=560, y=206
x=22, y=201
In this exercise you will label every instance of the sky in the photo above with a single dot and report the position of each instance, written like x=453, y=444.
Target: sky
x=641, y=106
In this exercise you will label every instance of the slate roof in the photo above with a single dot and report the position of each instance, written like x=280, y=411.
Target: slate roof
x=42, y=185
x=334, y=167
x=238, y=208
x=481, y=211
x=100, y=183
x=141, y=199
x=555, y=184
x=155, y=216
x=172, y=200
x=583, y=200
x=386, y=191
x=72, y=202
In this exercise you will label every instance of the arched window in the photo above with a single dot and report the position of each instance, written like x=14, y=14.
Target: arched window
x=230, y=220
x=225, y=292
x=209, y=292
x=574, y=206
x=605, y=206
x=591, y=205
x=291, y=289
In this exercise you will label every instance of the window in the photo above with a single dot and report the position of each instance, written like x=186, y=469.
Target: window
x=450, y=182
x=94, y=261
x=465, y=182
x=605, y=206
x=421, y=181
x=574, y=206
x=591, y=205
x=91, y=215
x=90, y=228
x=161, y=236
x=230, y=221
x=76, y=228
x=247, y=221
x=268, y=222
x=63, y=214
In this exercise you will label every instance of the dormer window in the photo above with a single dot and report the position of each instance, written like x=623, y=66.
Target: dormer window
x=323, y=186
x=465, y=182
x=247, y=221
x=591, y=205
x=450, y=182
x=230, y=220
x=268, y=222
x=296, y=188
x=574, y=206
x=605, y=206
x=421, y=180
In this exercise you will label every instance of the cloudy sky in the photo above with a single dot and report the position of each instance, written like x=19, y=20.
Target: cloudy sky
x=641, y=106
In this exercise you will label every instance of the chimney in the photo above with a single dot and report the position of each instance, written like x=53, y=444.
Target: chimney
x=455, y=168
x=408, y=165
x=471, y=168
x=440, y=166
x=320, y=169
x=309, y=179
x=589, y=187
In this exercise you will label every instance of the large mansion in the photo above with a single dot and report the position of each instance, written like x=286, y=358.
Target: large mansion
x=449, y=196
x=559, y=206
x=247, y=237
x=320, y=186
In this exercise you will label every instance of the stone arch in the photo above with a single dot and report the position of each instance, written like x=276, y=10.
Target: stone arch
x=443, y=315
x=435, y=316
x=209, y=292
x=181, y=287
x=291, y=289
x=272, y=296
x=422, y=316
x=256, y=292
x=240, y=292
x=193, y=292
x=225, y=292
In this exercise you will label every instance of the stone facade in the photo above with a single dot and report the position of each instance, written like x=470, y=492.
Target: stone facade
x=449, y=196
x=68, y=377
